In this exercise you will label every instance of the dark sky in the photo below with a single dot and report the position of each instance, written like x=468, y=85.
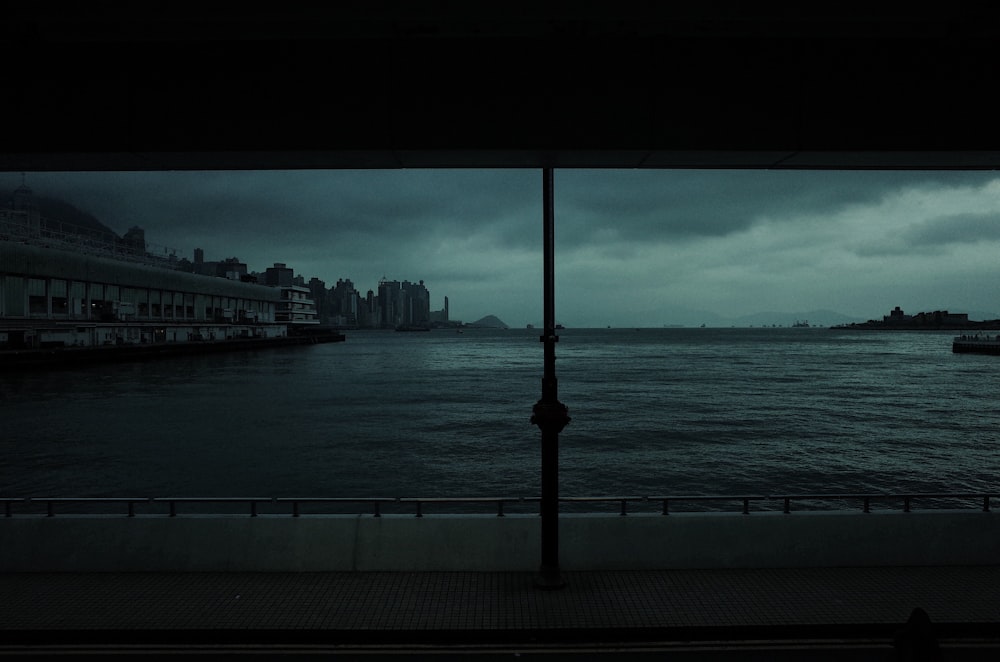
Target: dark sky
x=633, y=247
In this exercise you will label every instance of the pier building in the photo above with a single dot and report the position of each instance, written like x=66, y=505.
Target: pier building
x=61, y=288
x=53, y=297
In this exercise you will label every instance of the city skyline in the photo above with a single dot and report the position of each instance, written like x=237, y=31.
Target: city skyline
x=633, y=248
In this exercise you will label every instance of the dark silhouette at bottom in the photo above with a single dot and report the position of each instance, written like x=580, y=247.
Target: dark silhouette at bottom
x=915, y=641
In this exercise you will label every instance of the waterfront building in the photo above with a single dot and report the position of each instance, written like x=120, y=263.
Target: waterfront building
x=52, y=297
x=62, y=288
x=296, y=308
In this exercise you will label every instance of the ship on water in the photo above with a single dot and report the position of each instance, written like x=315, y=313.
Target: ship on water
x=71, y=296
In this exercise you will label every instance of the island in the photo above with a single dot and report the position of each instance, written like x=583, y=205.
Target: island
x=938, y=320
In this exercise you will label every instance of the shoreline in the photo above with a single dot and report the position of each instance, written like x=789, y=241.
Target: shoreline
x=63, y=357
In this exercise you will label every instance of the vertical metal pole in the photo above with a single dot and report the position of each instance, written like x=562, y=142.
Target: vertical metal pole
x=549, y=414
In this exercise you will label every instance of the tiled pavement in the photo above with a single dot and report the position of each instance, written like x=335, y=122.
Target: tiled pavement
x=378, y=608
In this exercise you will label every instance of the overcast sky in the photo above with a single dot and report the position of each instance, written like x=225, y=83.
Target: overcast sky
x=633, y=247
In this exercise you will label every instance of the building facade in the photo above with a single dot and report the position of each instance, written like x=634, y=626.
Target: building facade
x=64, y=288
x=55, y=297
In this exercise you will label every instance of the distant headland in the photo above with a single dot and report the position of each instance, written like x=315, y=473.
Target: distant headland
x=938, y=320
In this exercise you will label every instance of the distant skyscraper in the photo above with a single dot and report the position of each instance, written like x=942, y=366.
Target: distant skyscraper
x=199, y=256
x=317, y=290
x=389, y=303
x=344, y=302
x=418, y=304
x=371, y=318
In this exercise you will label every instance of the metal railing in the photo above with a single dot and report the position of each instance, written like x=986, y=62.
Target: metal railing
x=500, y=506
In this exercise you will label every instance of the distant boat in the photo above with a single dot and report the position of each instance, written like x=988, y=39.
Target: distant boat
x=804, y=324
x=560, y=326
x=412, y=327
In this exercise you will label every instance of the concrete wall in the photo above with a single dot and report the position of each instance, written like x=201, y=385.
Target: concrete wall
x=489, y=543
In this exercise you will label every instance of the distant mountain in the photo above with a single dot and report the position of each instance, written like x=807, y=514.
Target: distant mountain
x=489, y=322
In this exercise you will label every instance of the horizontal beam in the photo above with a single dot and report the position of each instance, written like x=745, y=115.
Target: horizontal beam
x=616, y=89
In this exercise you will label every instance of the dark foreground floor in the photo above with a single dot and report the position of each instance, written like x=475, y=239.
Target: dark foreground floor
x=758, y=614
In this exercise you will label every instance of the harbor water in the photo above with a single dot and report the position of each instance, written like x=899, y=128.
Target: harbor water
x=668, y=411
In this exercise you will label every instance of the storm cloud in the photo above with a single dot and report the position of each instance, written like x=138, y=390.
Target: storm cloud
x=633, y=247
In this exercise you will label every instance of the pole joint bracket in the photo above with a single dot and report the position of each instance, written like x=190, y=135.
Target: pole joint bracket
x=550, y=416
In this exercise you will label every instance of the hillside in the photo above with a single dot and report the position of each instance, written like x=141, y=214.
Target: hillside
x=54, y=212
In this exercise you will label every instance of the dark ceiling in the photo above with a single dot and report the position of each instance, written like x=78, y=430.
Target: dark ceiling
x=98, y=86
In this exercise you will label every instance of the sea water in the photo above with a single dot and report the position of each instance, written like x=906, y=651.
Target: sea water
x=443, y=414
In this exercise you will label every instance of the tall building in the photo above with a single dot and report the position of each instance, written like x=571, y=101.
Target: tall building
x=345, y=303
x=389, y=301
x=317, y=290
x=369, y=313
x=279, y=275
x=295, y=307
x=403, y=304
x=418, y=304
